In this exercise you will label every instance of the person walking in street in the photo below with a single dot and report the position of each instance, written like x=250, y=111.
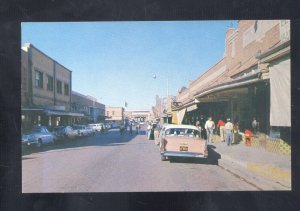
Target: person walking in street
x=221, y=126
x=228, y=129
x=137, y=128
x=209, y=127
x=130, y=128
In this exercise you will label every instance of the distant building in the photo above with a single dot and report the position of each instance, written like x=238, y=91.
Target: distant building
x=163, y=108
x=93, y=110
x=138, y=115
x=115, y=114
x=45, y=90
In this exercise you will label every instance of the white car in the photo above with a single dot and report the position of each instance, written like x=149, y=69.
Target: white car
x=81, y=130
x=38, y=136
x=96, y=126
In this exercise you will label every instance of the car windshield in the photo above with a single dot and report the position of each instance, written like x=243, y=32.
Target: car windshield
x=36, y=130
x=182, y=132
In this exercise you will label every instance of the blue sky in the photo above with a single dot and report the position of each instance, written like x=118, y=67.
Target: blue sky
x=115, y=61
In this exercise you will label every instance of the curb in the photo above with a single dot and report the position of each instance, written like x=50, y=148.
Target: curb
x=241, y=170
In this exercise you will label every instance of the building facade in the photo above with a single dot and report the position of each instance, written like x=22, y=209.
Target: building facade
x=89, y=106
x=245, y=83
x=45, y=90
x=140, y=116
x=115, y=114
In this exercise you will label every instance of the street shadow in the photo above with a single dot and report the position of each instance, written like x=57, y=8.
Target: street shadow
x=212, y=158
x=110, y=138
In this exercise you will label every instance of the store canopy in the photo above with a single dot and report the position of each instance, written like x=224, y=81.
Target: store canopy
x=174, y=117
x=180, y=115
x=280, y=91
x=61, y=113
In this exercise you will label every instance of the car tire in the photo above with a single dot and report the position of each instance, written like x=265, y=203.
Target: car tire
x=163, y=158
x=40, y=143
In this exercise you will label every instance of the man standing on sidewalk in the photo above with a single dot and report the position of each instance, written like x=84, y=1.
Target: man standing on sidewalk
x=228, y=129
x=209, y=127
x=221, y=126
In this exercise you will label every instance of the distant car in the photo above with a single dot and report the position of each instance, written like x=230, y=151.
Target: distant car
x=81, y=130
x=38, y=136
x=96, y=126
x=182, y=141
x=65, y=132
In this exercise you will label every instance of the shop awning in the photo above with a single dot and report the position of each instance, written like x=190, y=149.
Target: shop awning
x=61, y=113
x=180, y=115
x=174, y=117
x=191, y=108
x=280, y=91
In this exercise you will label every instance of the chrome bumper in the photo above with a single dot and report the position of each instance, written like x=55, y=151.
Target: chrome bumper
x=184, y=154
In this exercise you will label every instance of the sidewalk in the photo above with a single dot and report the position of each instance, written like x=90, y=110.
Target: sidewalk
x=265, y=170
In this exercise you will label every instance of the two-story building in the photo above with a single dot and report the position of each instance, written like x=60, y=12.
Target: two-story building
x=89, y=106
x=45, y=89
x=115, y=114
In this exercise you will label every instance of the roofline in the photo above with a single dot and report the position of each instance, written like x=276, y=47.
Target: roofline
x=31, y=45
x=281, y=46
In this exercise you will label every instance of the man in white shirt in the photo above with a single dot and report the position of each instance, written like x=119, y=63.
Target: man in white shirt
x=228, y=129
x=209, y=127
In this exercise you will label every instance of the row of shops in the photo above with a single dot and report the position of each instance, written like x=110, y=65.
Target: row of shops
x=256, y=86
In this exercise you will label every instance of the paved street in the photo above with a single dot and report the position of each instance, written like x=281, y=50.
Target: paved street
x=114, y=163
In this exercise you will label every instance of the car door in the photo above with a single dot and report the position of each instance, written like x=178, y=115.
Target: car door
x=48, y=135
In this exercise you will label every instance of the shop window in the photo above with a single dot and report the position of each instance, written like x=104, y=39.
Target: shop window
x=38, y=79
x=59, y=87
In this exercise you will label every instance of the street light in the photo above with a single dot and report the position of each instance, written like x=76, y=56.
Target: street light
x=154, y=77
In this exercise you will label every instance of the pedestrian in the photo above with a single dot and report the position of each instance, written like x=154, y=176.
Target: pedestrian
x=149, y=127
x=228, y=129
x=202, y=123
x=221, y=126
x=122, y=129
x=235, y=139
x=102, y=128
x=209, y=127
x=199, y=127
x=130, y=128
x=255, y=125
x=137, y=128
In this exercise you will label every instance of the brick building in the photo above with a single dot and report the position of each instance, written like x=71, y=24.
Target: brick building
x=246, y=82
x=45, y=90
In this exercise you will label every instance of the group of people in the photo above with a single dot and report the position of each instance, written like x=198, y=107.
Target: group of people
x=228, y=130
x=129, y=126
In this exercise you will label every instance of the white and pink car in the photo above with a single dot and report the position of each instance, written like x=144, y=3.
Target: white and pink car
x=182, y=141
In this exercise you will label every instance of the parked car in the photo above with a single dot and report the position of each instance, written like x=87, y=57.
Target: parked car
x=96, y=126
x=38, y=136
x=182, y=141
x=81, y=130
x=90, y=131
x=65, y=132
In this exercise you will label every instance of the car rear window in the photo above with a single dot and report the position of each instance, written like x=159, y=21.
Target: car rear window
x=182, y=132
